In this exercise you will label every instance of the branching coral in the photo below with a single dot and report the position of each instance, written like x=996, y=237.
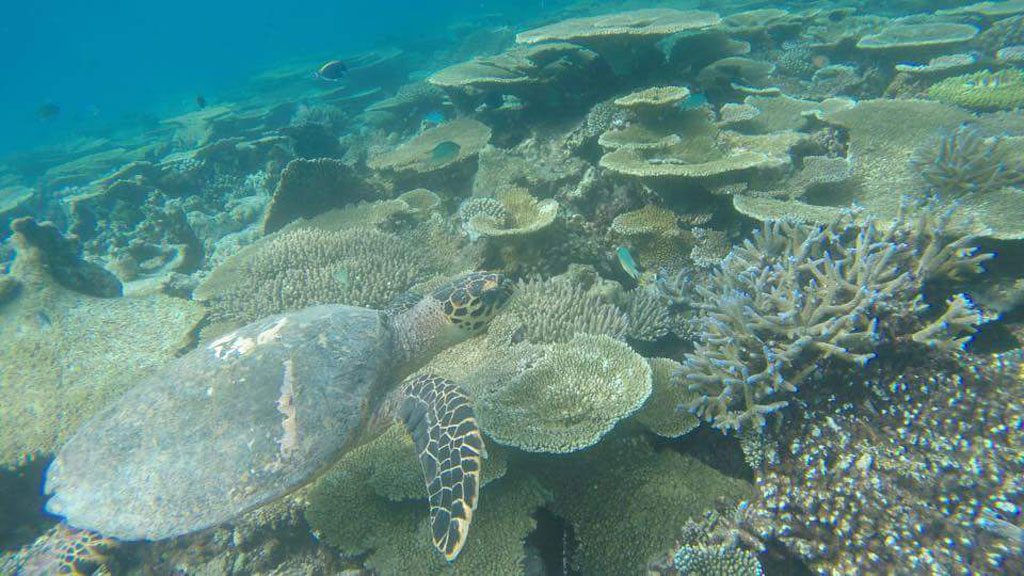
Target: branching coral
x=554, y=311
x=965, y=162
x=796, y=297
x=925, y=480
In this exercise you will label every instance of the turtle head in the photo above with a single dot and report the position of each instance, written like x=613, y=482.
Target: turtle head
x=472, y=300
x=449, y=315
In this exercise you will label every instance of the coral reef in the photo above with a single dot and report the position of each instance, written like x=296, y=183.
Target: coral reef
x=308, y=187
x=435, y=149
x=796, y=297
x=524, y=215
x=660, y=489
x=654, y=237
x=347, y=511
x=307, y=265
x=555, y=310
x=661, y=413
x=924, y=480
x=964, y=161
x=562, y=397
x=985, y=90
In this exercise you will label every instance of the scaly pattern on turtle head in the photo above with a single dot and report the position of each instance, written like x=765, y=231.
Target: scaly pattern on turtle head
x=472, y=300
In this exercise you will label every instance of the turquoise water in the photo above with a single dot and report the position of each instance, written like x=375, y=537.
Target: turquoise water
x=547, y=288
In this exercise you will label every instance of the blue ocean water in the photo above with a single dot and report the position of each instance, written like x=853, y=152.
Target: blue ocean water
x=118, y=64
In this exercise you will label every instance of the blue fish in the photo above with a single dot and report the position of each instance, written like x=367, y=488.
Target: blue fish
x=693, y=102
x=627, y=262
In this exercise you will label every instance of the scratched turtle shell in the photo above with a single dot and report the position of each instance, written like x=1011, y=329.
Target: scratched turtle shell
x=243, y=420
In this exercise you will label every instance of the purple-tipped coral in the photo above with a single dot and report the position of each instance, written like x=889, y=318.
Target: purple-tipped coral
x=916, y=468
x=795, y=297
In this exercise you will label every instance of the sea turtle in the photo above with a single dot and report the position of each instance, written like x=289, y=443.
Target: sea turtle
x=252, y=415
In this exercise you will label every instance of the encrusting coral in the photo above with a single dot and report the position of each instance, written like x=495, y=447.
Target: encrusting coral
x=795, y=297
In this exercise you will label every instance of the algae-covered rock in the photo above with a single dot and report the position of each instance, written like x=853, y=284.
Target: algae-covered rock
x=61, y=258
x=627, y=502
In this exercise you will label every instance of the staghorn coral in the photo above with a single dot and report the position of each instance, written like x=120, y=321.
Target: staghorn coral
x=964, y=161
x=305, y=266
x=797, y=297
x=915, y=469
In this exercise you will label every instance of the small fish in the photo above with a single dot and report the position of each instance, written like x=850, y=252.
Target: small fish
x=693, y=102
x=48, y=111
x=627, y=262
x=200, y=101
x=332, y=71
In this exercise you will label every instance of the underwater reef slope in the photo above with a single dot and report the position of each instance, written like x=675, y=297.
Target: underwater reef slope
x=768, y=260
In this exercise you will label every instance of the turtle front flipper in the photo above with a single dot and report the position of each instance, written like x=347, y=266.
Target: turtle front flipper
x=439, y=416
